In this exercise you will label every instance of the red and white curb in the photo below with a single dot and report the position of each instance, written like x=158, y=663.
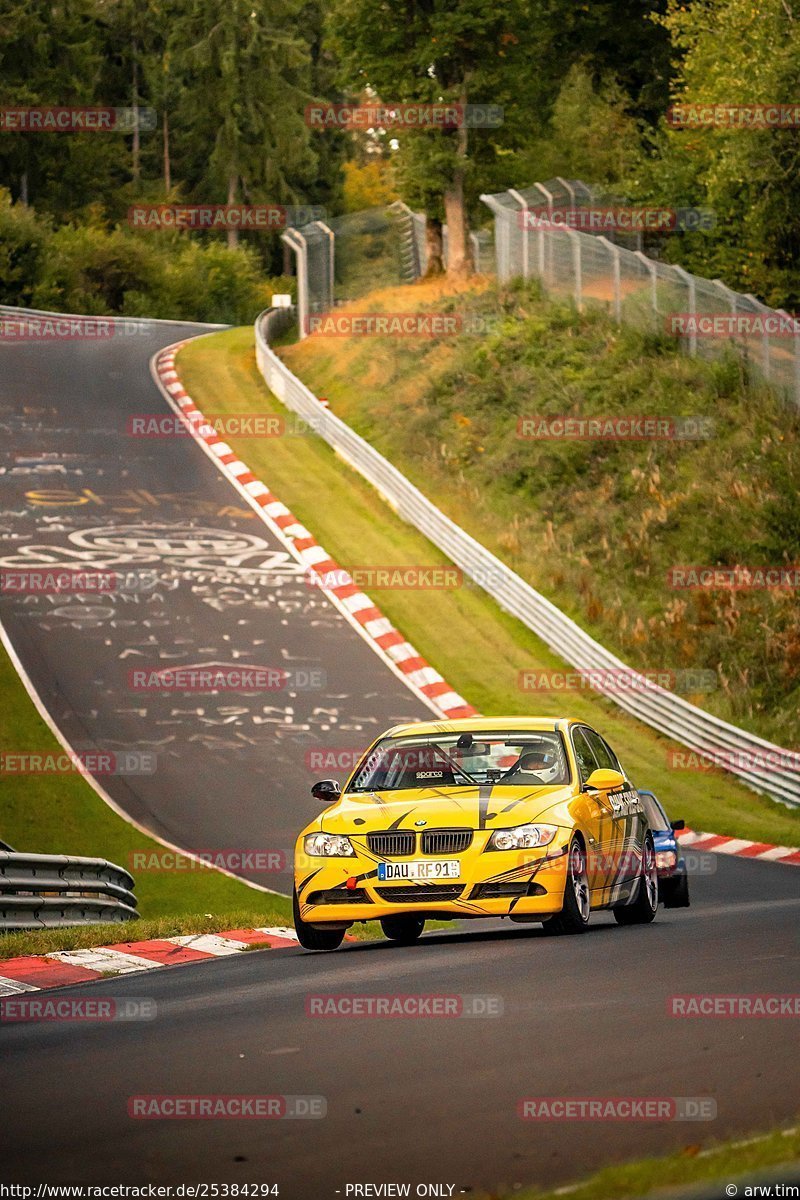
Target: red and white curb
x=690, y=839
x=35, y=972
x=355, y=605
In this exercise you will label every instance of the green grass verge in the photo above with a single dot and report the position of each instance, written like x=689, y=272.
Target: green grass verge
x=84, y=937
x=728, y=1162
x=479, y=649
x=597, y=526
x=62, y=814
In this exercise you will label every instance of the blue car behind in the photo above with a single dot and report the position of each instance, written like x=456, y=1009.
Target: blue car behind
x=673, y=880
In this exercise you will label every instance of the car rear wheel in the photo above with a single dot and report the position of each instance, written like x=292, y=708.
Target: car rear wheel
x=404, y=930
x=574, y=916
x=644, y=907
x=311, y=938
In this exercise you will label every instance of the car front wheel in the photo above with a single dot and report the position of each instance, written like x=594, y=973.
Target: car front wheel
x=311, y=938
x=574, y=915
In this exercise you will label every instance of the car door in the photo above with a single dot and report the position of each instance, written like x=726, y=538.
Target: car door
x=595, y=815
x=626, y=825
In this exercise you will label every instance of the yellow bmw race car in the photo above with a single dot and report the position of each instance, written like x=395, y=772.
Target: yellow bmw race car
x=530, y=818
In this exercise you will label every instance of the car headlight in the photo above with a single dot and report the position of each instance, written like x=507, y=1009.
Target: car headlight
x=328, y=845
x=522, y=837
x=666, y=860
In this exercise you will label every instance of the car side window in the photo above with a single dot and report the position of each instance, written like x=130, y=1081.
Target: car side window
x=583, y=752
x=602, y=752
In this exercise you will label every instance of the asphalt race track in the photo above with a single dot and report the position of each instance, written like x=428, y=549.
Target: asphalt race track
x=421, y=1100
x=201, y=580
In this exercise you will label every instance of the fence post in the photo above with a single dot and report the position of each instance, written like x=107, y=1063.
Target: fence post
x=568, y=188
x=575, y=239
x=728, y=293
x=522, y=202
x=501, y=232
x=549, y=198
x=476, y=252
x=765, y=359
x=651, y=267
x=614, y=251
x=300, y=248
x=690, y=284
x=795, y=326
x=416, y=236
x=331, y=261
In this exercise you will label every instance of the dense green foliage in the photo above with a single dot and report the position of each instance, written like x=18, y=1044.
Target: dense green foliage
x=584, y=90
x=90, y=268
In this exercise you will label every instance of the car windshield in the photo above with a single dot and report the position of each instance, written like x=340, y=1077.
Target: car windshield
x=462, y=760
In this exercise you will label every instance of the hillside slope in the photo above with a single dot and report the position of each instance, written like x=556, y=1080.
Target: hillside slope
x=596, y=525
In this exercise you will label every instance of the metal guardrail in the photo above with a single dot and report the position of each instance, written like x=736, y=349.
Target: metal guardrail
x=53, y=891
x=760, y=764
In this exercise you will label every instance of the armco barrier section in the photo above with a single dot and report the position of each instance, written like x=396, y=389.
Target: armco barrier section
x=760, y=764
x=53, y=891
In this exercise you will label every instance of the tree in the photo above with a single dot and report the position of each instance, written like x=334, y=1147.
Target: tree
x=458, y=52
x=592, y=136
x=52, y=55
x=368, y=186
x=244, y=74
x=736, y=52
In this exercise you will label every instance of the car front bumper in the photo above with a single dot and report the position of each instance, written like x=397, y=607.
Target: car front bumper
x=525, y=883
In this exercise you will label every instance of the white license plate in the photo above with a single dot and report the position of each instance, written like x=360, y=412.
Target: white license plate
x=436, y=868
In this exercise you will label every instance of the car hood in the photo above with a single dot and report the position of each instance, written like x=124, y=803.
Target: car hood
x=491, y=806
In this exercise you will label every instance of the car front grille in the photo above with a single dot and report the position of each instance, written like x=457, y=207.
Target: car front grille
x=393, y=843
x=446, y=841
x=340, y=896
x=421, y=893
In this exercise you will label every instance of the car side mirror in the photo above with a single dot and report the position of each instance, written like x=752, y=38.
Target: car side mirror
x=676, y=825
x=326, y=791
x=604, y=780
